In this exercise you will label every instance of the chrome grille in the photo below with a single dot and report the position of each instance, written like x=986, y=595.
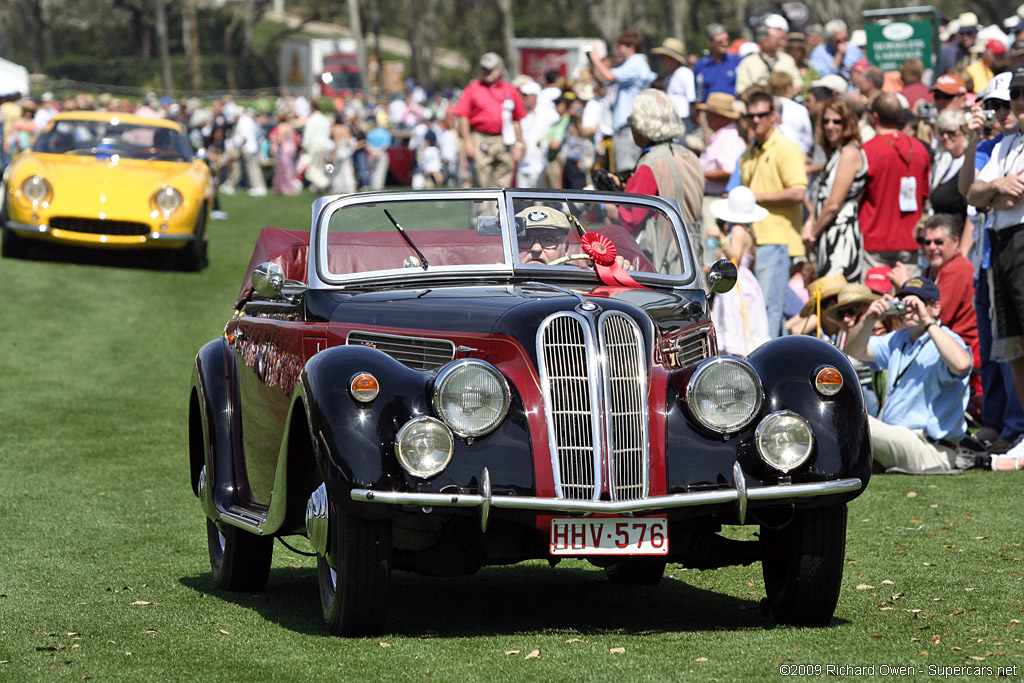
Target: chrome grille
x=414, y=352
x=94, y=226
x=694, y=348
x=596, y=414
x=622, y=346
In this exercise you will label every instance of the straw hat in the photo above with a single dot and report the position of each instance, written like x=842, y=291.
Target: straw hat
x=849, y=296
x=674, y=48
x=821, y=289
x=720, y=103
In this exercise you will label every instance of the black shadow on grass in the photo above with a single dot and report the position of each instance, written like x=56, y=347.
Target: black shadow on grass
x=140, y=259
x=509, y=600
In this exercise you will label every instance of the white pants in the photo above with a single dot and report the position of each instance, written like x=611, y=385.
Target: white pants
x=908, y=449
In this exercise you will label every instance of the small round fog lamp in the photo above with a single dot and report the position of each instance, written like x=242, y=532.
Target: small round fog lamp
x=364, y=387
x=784, y=440
x=424, y=446
x=828, y=381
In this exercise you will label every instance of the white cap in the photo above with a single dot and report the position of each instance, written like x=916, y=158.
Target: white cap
x=530, y=88
x=998, y=88
x=859, y=38
x=748, y=49
x=776, y=21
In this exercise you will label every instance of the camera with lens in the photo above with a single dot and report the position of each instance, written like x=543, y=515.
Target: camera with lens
x=927, y=112
x=990, y=116
x=896, y=307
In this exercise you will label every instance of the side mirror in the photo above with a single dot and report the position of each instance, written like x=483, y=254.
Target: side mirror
x=268, y=280
x=721, y=276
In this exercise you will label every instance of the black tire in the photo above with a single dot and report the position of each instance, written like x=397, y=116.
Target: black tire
x=240, y=561
x=192, y=257
x=354, y=594
x=13, y=246
x=636, y=571
x=803, y=566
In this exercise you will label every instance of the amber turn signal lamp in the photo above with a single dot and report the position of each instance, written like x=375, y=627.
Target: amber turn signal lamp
x=364, y=387
x=828, y=381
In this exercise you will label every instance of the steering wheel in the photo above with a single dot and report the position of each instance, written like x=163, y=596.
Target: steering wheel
x=568, y=257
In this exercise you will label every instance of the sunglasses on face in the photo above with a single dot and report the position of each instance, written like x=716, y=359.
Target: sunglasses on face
x=1016, y=93
x=926, y=243
x=996, y=105
x=547, y=240
x=950, y=132
x=834, y=122
x=752, y=116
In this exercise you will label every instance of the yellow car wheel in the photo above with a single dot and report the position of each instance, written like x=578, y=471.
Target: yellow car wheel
x=192, y=257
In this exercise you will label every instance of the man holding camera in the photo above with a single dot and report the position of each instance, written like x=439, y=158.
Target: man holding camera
x=928, y=367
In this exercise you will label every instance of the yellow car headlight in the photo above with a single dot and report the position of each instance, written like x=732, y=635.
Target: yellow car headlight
x=167, y=200
x=37, y=190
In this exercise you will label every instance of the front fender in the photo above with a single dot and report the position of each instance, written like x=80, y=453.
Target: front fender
x=698, y=459
x=214, y=437
x=353, y=442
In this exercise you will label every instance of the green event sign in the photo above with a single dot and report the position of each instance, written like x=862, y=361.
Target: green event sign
x=890, y=44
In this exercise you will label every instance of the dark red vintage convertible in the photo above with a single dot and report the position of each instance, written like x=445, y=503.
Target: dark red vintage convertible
x=438, y=381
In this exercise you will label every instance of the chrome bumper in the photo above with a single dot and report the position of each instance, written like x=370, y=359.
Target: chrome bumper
x=43, y=229
x=741, y=495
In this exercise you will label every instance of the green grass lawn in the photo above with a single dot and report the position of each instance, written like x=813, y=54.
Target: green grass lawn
x=104, y=572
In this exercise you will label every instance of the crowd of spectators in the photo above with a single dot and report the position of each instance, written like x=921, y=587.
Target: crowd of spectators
x=866, y=179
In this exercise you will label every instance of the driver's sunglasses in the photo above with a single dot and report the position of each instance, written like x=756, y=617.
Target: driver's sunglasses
x=546, y=239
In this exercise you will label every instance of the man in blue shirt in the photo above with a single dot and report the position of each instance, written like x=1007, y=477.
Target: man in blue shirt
x=632, y=75
x=928, y=367
x=836, y=55
x=716, y=71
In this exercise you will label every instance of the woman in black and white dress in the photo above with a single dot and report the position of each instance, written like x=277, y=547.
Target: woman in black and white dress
x=834, y=228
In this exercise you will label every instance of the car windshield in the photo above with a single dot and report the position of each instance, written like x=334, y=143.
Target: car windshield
x=534, y=233
x=109, y=137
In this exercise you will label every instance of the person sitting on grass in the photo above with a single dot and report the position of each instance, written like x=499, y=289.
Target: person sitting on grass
x=928, y=367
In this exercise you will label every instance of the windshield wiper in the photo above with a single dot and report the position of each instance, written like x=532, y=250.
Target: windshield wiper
x=405, y=236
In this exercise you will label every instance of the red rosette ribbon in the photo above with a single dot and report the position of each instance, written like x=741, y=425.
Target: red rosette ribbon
x=602, y=252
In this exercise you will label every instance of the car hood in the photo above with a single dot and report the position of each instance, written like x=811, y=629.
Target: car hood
x=105, y=180
x=513, y=310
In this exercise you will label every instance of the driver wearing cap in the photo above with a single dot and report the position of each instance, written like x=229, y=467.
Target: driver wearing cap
x=546, y=235
x=922, y=418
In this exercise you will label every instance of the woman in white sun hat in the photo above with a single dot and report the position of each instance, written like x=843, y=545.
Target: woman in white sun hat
x=739, y=316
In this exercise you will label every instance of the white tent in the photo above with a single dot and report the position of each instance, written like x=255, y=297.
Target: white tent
x=13, y=78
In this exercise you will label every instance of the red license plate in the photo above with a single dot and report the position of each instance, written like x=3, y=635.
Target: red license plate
x=609, y=536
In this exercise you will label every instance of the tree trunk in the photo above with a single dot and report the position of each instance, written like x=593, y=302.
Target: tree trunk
x=508, y=37
x=677, y=12
x=229, y=52
x=356, y=26
x=190, y=40
x=164, y=48
x=609, y=16
x=247, y=35
x=375, y=27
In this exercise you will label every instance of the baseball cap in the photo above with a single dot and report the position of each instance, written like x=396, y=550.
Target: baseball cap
x=833, y=82
x=998, y=88
x=950, y=84
x=543, y=217
x=1017, y=80
x=996, y=47
x=921, y=287
x=491, y=60
x=530, y=88
x=776, y=21
x=877, y=279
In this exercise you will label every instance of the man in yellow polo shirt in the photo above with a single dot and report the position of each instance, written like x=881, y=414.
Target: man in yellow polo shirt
x=773, y=168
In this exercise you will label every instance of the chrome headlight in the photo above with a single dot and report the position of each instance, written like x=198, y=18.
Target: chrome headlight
x=424, y=446
x=36, y=189
x=167, y=200
x=724, y=394
x=471, y=396
x=784, y=440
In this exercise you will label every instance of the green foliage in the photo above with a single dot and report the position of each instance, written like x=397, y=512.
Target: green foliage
x=129, y=72
x=105, y=572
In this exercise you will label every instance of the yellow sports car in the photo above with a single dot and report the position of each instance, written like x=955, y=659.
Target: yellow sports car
x=98, y=179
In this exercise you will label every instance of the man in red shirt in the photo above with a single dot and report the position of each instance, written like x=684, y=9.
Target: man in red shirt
x=953, y=274
x=896, y=188
x=486, y=108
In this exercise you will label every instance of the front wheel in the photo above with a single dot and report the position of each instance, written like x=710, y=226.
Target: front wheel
x=240, y=561
x=354, y=592
x=192, y=257
x=803, y=566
